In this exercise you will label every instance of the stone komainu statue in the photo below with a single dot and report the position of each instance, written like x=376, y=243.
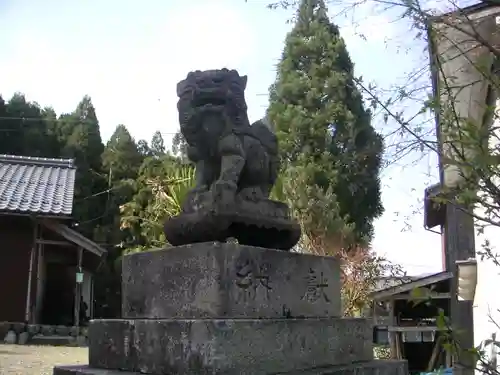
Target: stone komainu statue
x=236, y=167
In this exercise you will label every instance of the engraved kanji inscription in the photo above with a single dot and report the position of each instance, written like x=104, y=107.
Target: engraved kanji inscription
x=250, y=277
x=317, y=284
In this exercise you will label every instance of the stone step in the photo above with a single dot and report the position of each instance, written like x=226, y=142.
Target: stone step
x=363, y=368
x=53, y=340
x=376, y=367
x=225, y=280
x=236, y=346
x=86, y=370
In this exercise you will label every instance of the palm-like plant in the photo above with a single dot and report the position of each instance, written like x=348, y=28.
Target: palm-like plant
x=158, y=199
x=176, y=189
x=278, y=192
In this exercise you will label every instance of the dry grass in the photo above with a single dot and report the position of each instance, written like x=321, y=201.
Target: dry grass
x=39, y=360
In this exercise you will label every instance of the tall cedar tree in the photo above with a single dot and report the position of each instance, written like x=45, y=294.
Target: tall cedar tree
x=179, y=145
x=157, y=145
x=121, y=157
x=143, y=148
x=81, y=139
x=121, y=162
x=25, y=129
x=321, y=122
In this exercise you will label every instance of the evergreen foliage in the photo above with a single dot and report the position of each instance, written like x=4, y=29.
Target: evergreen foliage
x=326, y=138
x=157, y=145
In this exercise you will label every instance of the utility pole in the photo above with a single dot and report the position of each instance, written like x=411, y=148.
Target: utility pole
x=459, y=244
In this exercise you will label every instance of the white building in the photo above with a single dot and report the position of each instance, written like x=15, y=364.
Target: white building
x=456, y=45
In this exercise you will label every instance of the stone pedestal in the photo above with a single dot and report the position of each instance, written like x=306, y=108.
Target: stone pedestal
x=216, y=308
x=222, y=280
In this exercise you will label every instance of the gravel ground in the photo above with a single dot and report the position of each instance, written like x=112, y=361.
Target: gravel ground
x=38, y=360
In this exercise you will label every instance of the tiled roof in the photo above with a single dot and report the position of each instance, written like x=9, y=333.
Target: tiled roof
x=36, y=185
x=390, y=281
x=409, y=283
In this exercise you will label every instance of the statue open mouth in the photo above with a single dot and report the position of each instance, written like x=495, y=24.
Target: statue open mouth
x=209, y=99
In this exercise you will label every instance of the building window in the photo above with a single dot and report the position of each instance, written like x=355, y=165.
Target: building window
x=380, y=336
x=428, y=336
x=412, y=336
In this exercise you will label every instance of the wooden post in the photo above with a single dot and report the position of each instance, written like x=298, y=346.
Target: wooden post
x=91, y=301
x=78, y=288
x=40, y=275
x=392, y=334
x=27, y=311
x=459, y=244
x=438, y=344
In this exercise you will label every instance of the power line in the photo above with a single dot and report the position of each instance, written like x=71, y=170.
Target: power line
x=97, y=194
x=39, y=119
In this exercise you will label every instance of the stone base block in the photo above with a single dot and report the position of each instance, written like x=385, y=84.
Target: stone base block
x=262, y=223
x=224, y=280
x=239, y=346
x=365, y=368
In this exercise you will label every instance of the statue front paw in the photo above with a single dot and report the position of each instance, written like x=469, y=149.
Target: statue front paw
x=199, y=189
x=253, y=194
x=223, y=193
x=195, y=200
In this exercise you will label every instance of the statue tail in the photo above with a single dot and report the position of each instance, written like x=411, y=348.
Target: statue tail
x=261, y=129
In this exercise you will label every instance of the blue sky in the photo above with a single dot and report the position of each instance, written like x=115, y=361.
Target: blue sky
x=128, y=56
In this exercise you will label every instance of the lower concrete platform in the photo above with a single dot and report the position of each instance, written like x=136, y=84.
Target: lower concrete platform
x=86, y=370
x=206, y=346
x=364, y=368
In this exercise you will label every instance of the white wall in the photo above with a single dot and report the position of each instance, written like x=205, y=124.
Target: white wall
x=487, y=300
x=487, y=291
